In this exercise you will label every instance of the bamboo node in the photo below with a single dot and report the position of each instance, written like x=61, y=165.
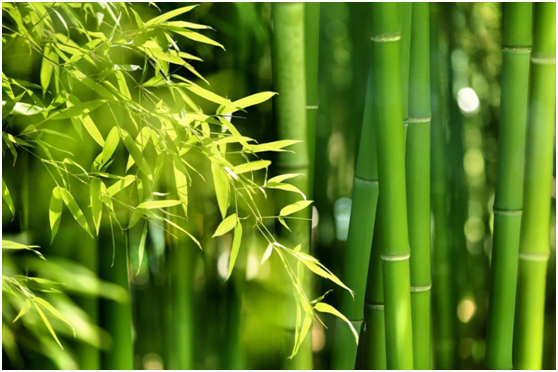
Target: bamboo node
x=386, y=38
x=423, y=288
x=543, y=60
x=516, y=49
x=420, y=119
x=540, y=257
x=374, y=182
x=396, y=257
x=376, y=306
x=504, y=212
x=312, y=107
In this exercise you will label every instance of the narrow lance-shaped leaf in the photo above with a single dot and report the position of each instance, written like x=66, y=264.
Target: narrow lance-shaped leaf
x=87, y=122
x=55, y=212
x=47, y=323
x=226, y=225
x=74, y=209
x=221, y=183
x=326, y=308
x=136, y=154
x=76, y=110
x=181, y=181
x=295, y=207
x=7, y=198
x=235, y=247
x=141, y=248
x=159, y=204
x=169, y=15
x=252, y=166
x=252, y=100
x=96, y=202
x=47, y=306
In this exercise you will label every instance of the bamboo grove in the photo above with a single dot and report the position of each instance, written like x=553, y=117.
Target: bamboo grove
x=278, y=185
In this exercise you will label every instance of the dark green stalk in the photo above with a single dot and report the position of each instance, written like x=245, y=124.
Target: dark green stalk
x=311, y=45
x=418, y=183
x=357, y=255
x=388, y=105
x=444, y=319
x=508, y=204
x=290, y=111
x=406, y=24
x=373, y=335
x=534, y=241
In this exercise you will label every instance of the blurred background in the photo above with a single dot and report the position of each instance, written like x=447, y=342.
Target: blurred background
x=180, y=310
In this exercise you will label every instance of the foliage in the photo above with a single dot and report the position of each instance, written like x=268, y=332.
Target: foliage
x=103, y=58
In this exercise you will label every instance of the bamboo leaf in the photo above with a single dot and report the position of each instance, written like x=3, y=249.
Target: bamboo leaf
x=326, y=308
x=8, y=244
x=87, y=122
x=206, y=94
x=21, y=108
x=295, y=207
x=51, y=309
x=76, y=110
x=96, y=202
x=235, y=247
x=226, y=225
x=181, y=182
x=7, y=198
x=194, y=36
x=55, y=212
x=47, y=323
x=267, y=253
x=276, y=146
x=169, y=15
x=110, y=145
x=191, y=25
x=252, y=166
x=285, y=187
x=252, y=100
x=221, y=183
x=141, y=141
x=26, y=306
x=136, y=154
x=74, y=209
x=120, y=185
x=159, y=204
x=141, y=248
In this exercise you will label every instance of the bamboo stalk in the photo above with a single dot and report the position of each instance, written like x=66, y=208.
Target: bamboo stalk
x=443, y=289
x=359, y=242
x=290, y=110
x=418, y=183
x=534, y=242
x=406, y=10
x=508, y=204
x=388, y=104
x=311, y=45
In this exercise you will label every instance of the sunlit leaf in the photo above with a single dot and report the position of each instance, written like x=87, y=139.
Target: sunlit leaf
x=74, y=209
x=141, y=248
x=96, y=202
x=326, y=308
x=295, y=207
x=169, y=15
x=181, y=181
x=267, y=254
x=226, y=225
x=252, y=166
x=7, y=197
x=77, y=110
x=235, y=247
x=277, y=146
x=221, y=183
x=252, y=100
x=136, y=153
x=55, y=212
x=159, y=204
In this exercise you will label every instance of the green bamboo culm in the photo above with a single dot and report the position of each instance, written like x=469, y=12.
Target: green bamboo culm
x=406, y=10
x=311, y=58
x=388, y=104
x=290, y=111
x=418, y=183
x=508, y=203
x=359, y=242
x=534, y=243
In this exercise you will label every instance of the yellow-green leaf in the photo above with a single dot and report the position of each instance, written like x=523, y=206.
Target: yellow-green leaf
x=169, y=15
x=77, y=110
x=159, y=204
x=326, y=308
x=181, y=181
x=226, y=225
x=74, y=209
x=141, y=248
x=221, y=182
x=55, y=212
x=7, y=198
x=252, y=166
x=272, y=146
x=252, y=100
x=110, y=145
x=47, y=306
x=295, y=207
x=235, y=247
x=96, y=202
x=121, y=184
x=136, y=153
